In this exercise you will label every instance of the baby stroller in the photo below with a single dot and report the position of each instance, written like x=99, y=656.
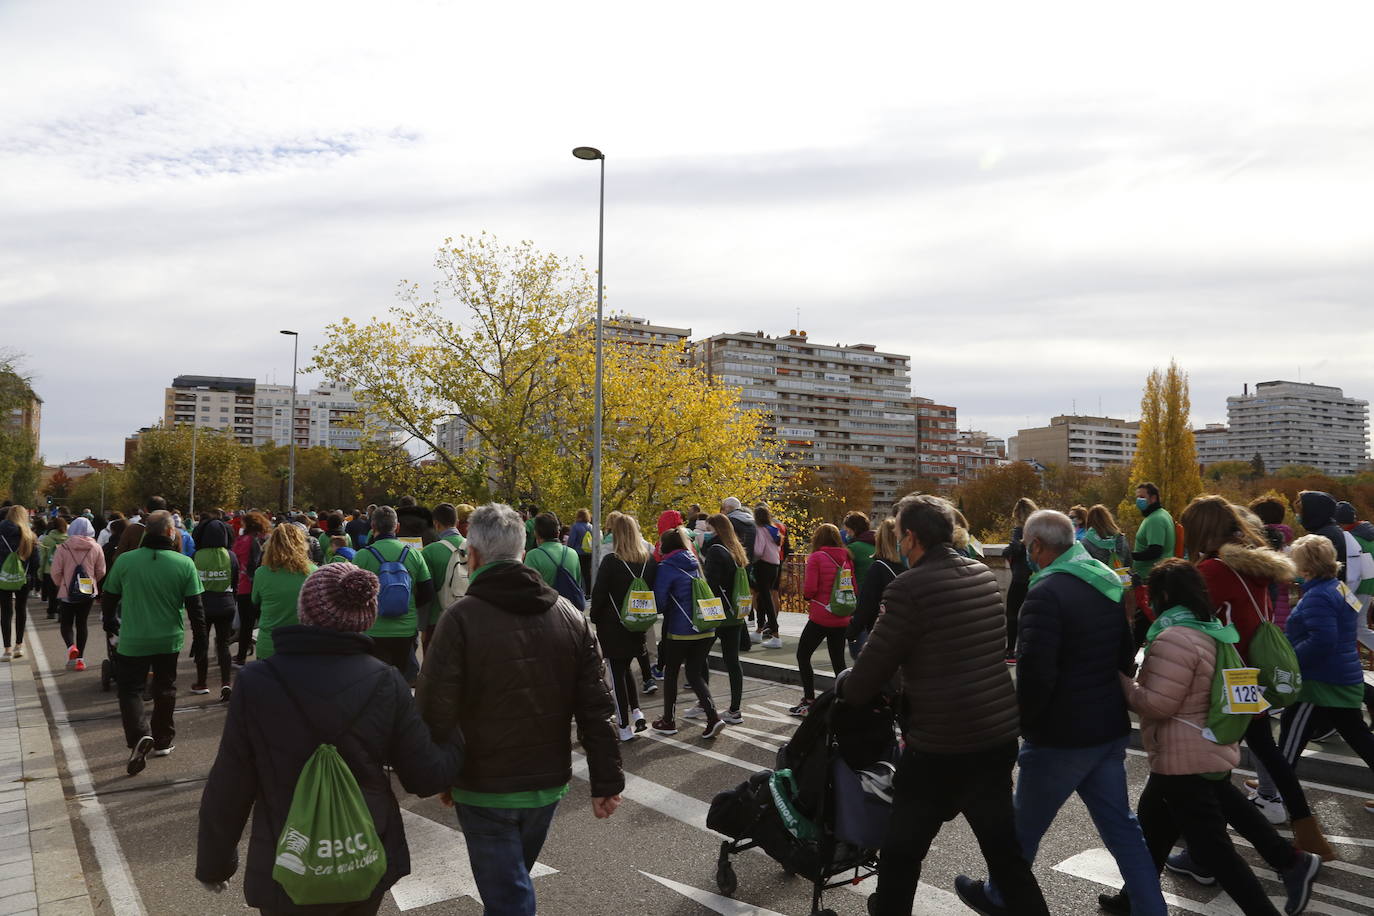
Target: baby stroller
x=823, y=812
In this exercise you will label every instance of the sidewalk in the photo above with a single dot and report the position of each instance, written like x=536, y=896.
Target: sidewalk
x=40, y=868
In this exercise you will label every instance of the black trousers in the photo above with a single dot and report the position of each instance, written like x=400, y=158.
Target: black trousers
x=931, y=789
x=248, y=619
x=813, y=634
x=14, y=607
x=72, y=618
x=1259, y=738
x=765, y=580
x=1016, y=596
x=1199, y=809
x=131, y=674
x=222, y=627
x=690, y=654
x=626, y=690
x=1300, y=722
x=395, y=651
x=729, y=653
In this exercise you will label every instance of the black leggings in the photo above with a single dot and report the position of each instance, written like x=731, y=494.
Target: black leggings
x=812, y=636
x=248, y=618
x=1259, y=738
x=1016, y=596
x=626, y=690
x=72, y=615
x=690, y=654
x=14, y=606
x=729, y=652
x=1299, y=722
x=765, y=580
x=222, y=627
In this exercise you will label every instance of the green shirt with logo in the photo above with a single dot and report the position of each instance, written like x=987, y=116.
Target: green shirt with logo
x=153, y=586
x=390, y=549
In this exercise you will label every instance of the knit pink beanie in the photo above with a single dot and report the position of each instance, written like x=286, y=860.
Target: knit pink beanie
x=339, y=596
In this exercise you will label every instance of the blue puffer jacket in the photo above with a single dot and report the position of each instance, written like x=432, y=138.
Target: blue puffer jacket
x=673, y=593
x=1323, y=629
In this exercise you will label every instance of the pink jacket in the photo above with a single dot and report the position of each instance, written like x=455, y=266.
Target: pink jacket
x=73, y=552
x=1175, y=682
x=821, y=567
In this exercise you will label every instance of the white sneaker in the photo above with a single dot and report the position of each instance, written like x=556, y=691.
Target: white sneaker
x=755, y=637
x=627, y=733
x=774, y=643
x=18, y=652
x=696, y=712
x=732, y=717
x=163, y=751
x=637, y=720
x=7, y=656
x=1272, y=808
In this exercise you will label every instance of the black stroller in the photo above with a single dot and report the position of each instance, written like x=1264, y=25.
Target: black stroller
x=823, y=812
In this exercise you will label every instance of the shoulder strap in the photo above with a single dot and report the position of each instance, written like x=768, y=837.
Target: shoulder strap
x=376, y=553
x=1246, y=587
x=557, y=563
x=452, y=547
x=310, y=723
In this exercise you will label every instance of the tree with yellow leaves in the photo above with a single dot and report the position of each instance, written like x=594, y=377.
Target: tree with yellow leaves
x=1166, y=453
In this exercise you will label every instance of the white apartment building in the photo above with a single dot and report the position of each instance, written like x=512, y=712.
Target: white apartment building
x=1092, y=443
x=261, y=414
x=1294, y=423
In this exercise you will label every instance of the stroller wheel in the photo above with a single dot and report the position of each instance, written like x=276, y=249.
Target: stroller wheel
x=726, y=880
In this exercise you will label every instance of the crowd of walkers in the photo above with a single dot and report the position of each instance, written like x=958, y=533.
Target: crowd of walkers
x=455, y=646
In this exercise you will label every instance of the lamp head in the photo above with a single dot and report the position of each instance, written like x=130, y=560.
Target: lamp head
x=291, y=333
x=588, y=152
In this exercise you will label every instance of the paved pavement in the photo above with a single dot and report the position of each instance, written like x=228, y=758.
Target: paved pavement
x=135, y=838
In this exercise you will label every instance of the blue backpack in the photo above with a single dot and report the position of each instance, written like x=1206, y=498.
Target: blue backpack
x=393, y=596
x=565, y=583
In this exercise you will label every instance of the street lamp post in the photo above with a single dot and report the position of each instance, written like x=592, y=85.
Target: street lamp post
x=291, y=427
x=191, y=510
x=591, y=153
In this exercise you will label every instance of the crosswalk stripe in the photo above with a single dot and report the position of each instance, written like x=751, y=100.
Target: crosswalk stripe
x=706, y=752
x=713, y=902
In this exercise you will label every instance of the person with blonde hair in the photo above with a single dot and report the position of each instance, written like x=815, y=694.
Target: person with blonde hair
x=277, y=583
x=628, y=559
x=1103, y=540
x=18, y=540
x=1020, y=570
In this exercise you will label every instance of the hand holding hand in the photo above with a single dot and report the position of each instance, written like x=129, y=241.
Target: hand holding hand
x=605, y=807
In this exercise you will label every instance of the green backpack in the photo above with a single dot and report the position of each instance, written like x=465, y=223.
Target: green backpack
x=639, y=608
x=1280, y=676
x=843, y=600
x=743, y=595
x=1235, y=703
x=214, y=567
x=708, y=611
x=329, y=850
x=13, y=576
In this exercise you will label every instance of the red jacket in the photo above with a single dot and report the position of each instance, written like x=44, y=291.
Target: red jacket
x=821, y=567
x=1238, y=582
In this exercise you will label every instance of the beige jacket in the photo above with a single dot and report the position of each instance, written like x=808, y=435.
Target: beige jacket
x=1172, y=694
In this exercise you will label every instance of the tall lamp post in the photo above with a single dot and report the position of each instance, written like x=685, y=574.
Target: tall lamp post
x=591, y=154
x=291, y=427
x=191, y=510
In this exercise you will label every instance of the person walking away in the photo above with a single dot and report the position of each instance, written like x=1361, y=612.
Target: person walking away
x=394, y=637
x=550, y=555
x=1316, y=512
x=358, y=529
x=888, y=564
x=581, y=539
x=323, y=685
x=1271, y=514
x=827, y=560
x=77, y=567
x=511, y=666
x=1154, y=541
x=683, y=646
x=767, y=572
x=149, y=594
x=722, y=559
x=248, y=548
x=943, y=628
x=1020, y=570
x=742, y=520
x=277, y=583
x=1073, y=644
x=1189, y=791
x=115, y=530
x=859, y=540
x=1359, y=541
x=219, y=572
x=628, y=559
x=49, y=542
x=439, y=557
x=20, y=561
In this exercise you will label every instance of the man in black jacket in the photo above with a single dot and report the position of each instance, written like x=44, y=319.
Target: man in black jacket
x=510, y=666
x=1074, y=643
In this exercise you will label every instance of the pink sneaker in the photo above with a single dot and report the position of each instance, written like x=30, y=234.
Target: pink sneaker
x=73, y=653
x=80, y=664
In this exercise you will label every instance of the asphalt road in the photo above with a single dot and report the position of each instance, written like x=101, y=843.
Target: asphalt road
x=137, y=835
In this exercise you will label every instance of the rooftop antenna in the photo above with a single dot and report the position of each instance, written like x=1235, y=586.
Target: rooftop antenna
x=1074, y=402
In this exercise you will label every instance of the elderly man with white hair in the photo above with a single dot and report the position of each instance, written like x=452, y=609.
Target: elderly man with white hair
x=1073, y=641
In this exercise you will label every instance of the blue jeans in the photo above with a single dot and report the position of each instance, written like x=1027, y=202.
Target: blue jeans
x=503, y=844
x=1049, y=775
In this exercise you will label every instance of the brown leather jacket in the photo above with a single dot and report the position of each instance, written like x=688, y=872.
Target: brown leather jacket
x=511, y=665
x=942, y=623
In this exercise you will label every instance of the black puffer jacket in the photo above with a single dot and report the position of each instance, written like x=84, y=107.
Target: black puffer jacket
x=1071, y=644
x=880, y=576
x=613, y=580
x=511, y=665
x=266, y=743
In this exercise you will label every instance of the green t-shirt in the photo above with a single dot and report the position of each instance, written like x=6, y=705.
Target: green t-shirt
x=276, y=591
x=548, y=556
x=390, y=549
x=534, y=798
x=325, y=545
x=153, y=586
x=1157, y=528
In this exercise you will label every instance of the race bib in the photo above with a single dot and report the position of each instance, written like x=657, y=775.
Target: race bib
x=846, y=579
x=642, y=604
x=746, y=606
x=85, y=585
x=711, y=609
x=1350, y=597
x=413, y=542
x=1244, y=696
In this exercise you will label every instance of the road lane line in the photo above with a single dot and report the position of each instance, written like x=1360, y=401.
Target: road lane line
x=444, y=872
x=114, y=868
x=1339, y=790
x=705, y=752
x=725, y=906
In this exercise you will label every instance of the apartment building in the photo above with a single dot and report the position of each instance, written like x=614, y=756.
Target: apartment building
x=937, y=441
x=256, y=414
x=977, y=451
x=1293, y=423
x=634, y=330
x=1092, y=443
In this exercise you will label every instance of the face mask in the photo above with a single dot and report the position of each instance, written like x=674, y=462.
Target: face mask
x=1034, y=566
x=1142, y=503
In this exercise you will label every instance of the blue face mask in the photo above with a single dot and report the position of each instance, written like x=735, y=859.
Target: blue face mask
x=1142, y=503
x=1034, y=566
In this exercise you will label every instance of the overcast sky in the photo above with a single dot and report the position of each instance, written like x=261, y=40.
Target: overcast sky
x=1038, y=202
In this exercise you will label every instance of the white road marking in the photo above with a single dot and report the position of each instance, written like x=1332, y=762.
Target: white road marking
x=443, y=872
x=1341, y=840
x=1338, y=865
x=763, y=712
x=705, y=752
x=713, y=902
x=1339, y=790
x=758, y=733
x=114, y=867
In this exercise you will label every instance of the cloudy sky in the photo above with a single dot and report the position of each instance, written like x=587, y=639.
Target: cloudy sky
x=1039, y=202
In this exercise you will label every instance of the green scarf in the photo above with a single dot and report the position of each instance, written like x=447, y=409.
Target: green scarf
x=1101, y=543
x=1076, y=561
x=1181, y=616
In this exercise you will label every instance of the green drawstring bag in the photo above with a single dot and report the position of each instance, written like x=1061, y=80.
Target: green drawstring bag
x=1270, y=651
x=708, y=611
x=329, y=850
x=12, y=574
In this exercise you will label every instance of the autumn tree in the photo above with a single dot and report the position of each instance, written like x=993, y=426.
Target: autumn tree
x=19, y=462
x=1166, y=453
x=987, y=499
x=103, y=490
x=59, y=486
x=161, y=466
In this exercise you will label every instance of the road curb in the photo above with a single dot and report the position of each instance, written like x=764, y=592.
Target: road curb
x=59, y=881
